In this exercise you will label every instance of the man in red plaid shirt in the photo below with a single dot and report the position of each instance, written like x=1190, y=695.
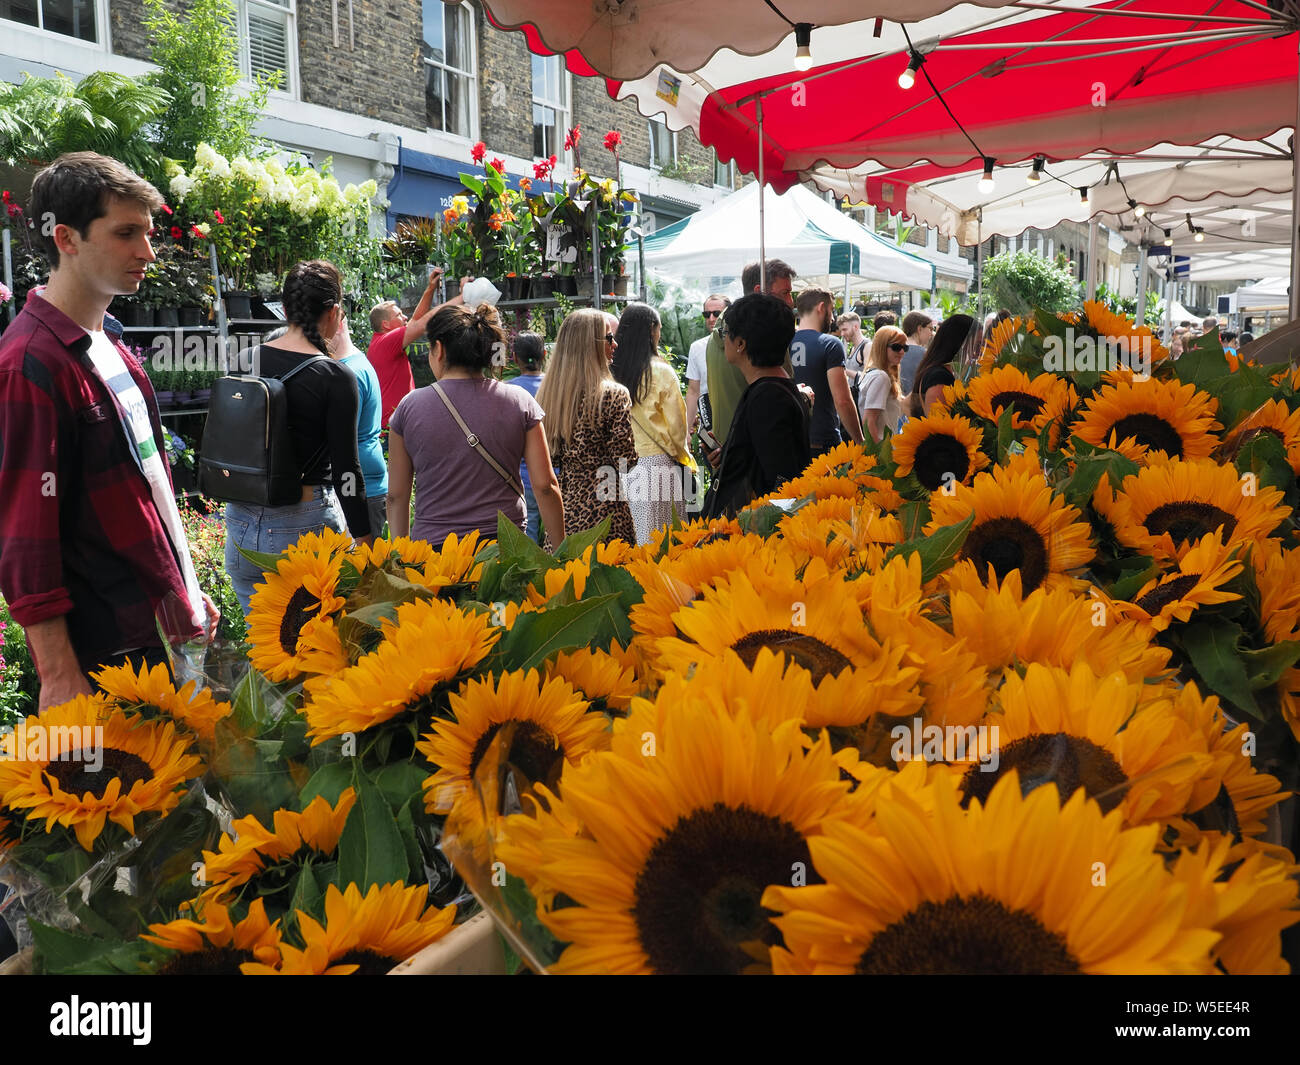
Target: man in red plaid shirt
x=93, y=561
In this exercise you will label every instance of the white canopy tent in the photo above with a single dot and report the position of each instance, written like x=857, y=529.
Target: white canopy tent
x=1271, y=292
x=819, y=241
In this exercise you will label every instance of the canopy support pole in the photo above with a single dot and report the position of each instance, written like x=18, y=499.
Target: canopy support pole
x=1170, y=290
x=762, y=226
x=1293, y=298
x=979, y=265
x=1092, y=260
x=1141, y=311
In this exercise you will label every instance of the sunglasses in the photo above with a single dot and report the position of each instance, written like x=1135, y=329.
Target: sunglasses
x=897, y=347
x=609, y=338
x=712, y=314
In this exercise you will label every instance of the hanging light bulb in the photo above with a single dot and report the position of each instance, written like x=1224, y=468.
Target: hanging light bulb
x=1138, y=210
x=1200, y=235
x=1083, y=195
x=986, y=181
x=1035, y=175
x=803, y=45
x=908, y=78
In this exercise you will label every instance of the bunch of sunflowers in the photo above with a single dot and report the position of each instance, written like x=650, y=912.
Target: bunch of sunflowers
x=1013, y=691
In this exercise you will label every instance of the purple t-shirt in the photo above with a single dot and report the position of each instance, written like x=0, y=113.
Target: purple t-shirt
x=455, y=489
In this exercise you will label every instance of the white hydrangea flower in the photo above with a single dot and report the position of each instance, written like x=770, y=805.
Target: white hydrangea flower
x=172, y=168
x=330, y=195
x=285, y=191
x=369, y=189
x=243, y=168
x=274, y=168
x=304, y=203
x=205, y=156
x=181, y=186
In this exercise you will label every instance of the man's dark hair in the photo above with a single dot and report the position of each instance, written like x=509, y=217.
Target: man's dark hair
x=765, y=324
x=1246, y=338
x=1227, y=338
x=948, y=341
x=915, y=320
x=530, y=350
x=884, y=318
x=807, y=300
x=471, y=337
x=76, y=188
x=777, y=269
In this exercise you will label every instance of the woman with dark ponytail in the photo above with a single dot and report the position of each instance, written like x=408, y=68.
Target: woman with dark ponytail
x=461, y=439
x=529, y=355
x=322, y=406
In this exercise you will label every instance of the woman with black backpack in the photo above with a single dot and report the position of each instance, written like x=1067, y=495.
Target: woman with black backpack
x=322, y=402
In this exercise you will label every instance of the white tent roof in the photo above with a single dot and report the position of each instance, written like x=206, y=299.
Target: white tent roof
x=801, y=228
x=1181, y=314
x=1270, y=292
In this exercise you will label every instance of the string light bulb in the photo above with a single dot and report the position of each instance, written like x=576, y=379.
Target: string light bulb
x=1137, y=208
x=1035, y=174
x=986, y=181
x=803, y=45
x=908, y=77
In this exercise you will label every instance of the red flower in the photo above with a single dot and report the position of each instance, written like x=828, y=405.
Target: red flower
x=220, y=221
x=572, y=137
x=525, y=184
x=478, y=152
x=14, y=210
x=177, y=232
x=5, y=196
x=196, y=231
x=542, y=169
x=167, y=209
x=613, y=140
x=499, y=165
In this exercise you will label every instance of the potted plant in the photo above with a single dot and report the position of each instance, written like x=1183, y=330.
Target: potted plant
x=195, y=289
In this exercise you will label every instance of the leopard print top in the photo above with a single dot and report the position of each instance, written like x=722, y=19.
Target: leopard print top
x=588, y=466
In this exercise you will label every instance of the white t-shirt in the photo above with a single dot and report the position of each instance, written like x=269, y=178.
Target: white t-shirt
x=876, y=392
x=696, y=364
x=139, y=430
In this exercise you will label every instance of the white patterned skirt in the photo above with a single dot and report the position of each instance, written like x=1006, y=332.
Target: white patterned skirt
x=651, y=488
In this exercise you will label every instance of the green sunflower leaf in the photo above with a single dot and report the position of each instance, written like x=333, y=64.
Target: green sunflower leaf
x=938, y=550
x=515, y=547
x=266, y=563
x=914, y=516
x=537, y=636
x=1090, y=465
x=1240, y=393
x=58, y=951
x=330, y=781
x=1266, y=666
x=573, y=546
x=1213, y=651
x=1127, y=587
x=761, y=521
x=370, y=848
x=308, y=892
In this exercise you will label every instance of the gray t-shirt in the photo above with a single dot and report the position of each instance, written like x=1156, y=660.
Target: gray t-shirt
x=907, y=368
x=455, y=489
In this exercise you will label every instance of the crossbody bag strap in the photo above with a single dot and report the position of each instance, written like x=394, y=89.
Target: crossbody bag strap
x=282, y=378
x=654, y=437
x=472, y=439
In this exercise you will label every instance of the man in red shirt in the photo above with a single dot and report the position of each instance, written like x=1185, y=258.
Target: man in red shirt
x=394, y=333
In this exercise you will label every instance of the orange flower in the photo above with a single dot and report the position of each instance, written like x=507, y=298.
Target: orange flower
x=495, y=221
x=525, y=184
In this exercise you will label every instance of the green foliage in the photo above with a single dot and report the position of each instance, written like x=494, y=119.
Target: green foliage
x=19, y=684
x=198, y=59
x=105, y=112
x=1023, y=281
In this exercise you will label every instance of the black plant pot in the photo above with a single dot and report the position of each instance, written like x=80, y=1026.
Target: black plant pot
x=199, y=397
x=567, y=284
x=543, y=286
x=525, y=288
x=128, y=314
x=239, y=304
x=165, y=399
x=168, y=318
x=193, y=316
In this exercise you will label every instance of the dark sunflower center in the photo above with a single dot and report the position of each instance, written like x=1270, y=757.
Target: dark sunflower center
x=1186, y=520
x=818, y=658
x=975, y=936
x=533, y=750
x=697, y=898
x=371, y=964
x=76, y=778
x=1007, y=544
x=1026, y=404
x=1151, y=430
x=1164, y=594
x=941, y=459
x=211, y=961
x=1069, y=762
x=302, y=607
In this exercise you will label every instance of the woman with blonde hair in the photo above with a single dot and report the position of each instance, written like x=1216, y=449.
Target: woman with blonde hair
x=880, y=396
x=589, y=426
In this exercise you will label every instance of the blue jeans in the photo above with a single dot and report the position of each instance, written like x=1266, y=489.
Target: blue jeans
x=271, y=530
x=534, y=523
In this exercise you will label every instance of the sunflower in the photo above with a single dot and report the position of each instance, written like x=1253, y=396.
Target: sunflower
x=554, y=726
x=551, y=583
x=1034, y=401
x=1276, y=418
x=1175, y=596
x=362, y=935
x=452, y=563
x=191, y=707
x=1108, y=325
x=668, y=543
x=941, y=449
x=608, y=678
x=1154, y=415
x=427, y=647
x=865, y=486
x=1008, y=887
x=1112, y=738
x=410, y=555
x=998, y=339
x=1053, y=627
x=325, y=544
x=678, y=847
x=1019, y=524
x=83, y=763
x=1277, y=574
x=809, y=532
x=303, y=586
x=251, y=852
x=217, y=945
x=1249, y=905
x=1168, y=506
x=847, y=458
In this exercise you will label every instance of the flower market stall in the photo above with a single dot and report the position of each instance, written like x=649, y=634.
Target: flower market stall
x=1014, y=691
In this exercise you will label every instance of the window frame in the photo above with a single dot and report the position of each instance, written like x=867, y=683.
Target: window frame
x=291, y=87
x=470, y=76
x=660, y=120
x=103, y=36
x=731, y=172
x=564, y=107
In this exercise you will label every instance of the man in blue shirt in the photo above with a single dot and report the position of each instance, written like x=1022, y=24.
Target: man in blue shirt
x=818, y=361
x=373, y=468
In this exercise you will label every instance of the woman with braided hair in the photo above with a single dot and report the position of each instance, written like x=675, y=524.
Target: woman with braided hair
x=461, y=439
x=322, y=402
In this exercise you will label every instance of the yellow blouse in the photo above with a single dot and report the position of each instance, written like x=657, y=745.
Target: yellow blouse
x=659, y=420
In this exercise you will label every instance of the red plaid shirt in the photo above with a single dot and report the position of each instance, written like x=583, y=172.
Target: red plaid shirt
x=79, y=533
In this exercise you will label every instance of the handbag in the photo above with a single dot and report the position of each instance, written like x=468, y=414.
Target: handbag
x=474, y=442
